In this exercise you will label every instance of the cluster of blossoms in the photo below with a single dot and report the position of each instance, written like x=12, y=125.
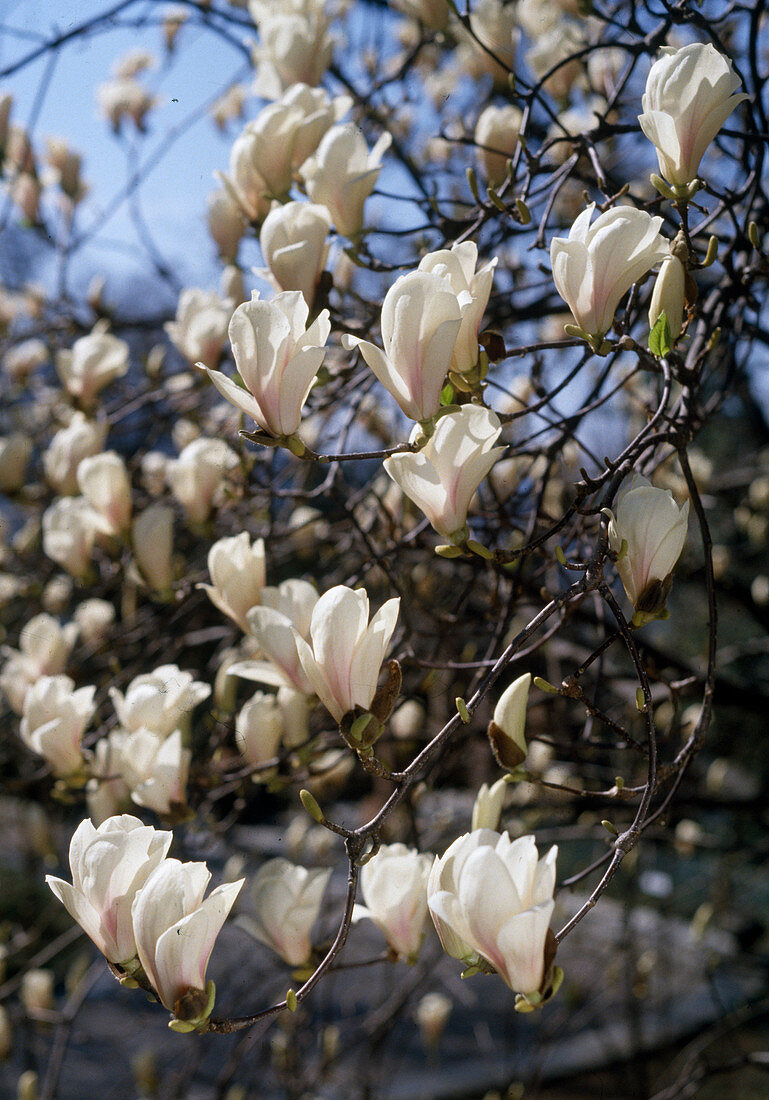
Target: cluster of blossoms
x=490, y=897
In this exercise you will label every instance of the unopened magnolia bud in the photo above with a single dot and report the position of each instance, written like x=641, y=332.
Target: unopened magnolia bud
x=432, y=1015
x=26, y=1087
x=668, y=296
x=37, y=992
x=487, y=808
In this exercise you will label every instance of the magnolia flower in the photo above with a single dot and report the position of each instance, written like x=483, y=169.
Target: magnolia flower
x=342, y=175
x=456, y=266
x=287, y=900
x=421, y=318
x=106, y=485
x=125, y=98
x=200, y=471
x=156, y=768
x=44, y=649
x=653, y=527
x=393, y=885
x=15, y=451
x=65, y=163
x=106, y=792
x=271, y=146
x=238, y=574
x=25, y=192
x=277, y=357
x=243, y=183
x=294, y=46
x=54, y=720
x=494, y=25
x=69, y=532
x=152, y=539
x=158, y=701
x=109, y=865
x=226, y=223
x=176, y=931
x=346, y=652
x=23, y=358
x=669, y=296
x=294, y=243
x=599, y=263
x=688, y=98
x=487, y=808
x=496, y=136
x=94, y=618
x=550, y=49
x=200, y=328
x=490, y=895
x=80, y=439
x=442, y=477
x=91, y=364
x=506, y=729
x=259, y=728
x=284, y=612
x=319, y=113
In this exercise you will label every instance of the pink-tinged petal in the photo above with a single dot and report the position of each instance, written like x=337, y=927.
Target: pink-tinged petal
x=81, y=910
x=521, y=944
x=182, y=952
x=369, y=654
x=276, y=637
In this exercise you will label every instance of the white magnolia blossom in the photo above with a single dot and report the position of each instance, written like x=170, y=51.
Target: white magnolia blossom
x=200, y=328
x=65, y=166
x=490, y=895
x=152, y=539
x=495, y=26
x=507, y=728
x=259, y=728
x=456, y=266
x=125, y=98
x=90, y=364
x=496, y=136
x=487, y=807
x=669, y=296
x=285, y=611
x=226, y=222
x=198, y=475
x=176, y=930
x=243, y=183
x=421, y=319
x=158, y=701
x=345, y=654
x=653, y=527
x=105, y=483
x=80, y=439
x=294, y=46
x=442, y=477
x=22, y=359
x=70, y=526
x=109, y=866
x=155, y=768
x=44, y=649
x=15, y=452
x=294, y=243
x=689, y=96
x=94, y=618
x=54, y=719
x=393, y=884
x=277, y=357
x=598, y=263
x=106, y=792
x=287, y=900
x=272, y=137
x=343, y=173
x=556, y=45
x=238, y=575
x=319, y=113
